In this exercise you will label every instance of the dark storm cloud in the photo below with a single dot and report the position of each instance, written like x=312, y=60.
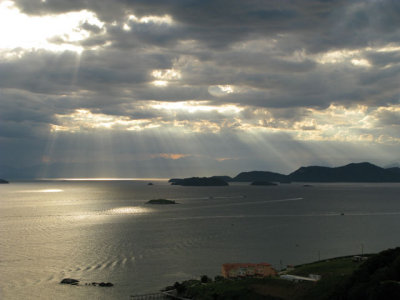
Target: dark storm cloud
x=388, y=117
x=41, y=72
x=54, y=73
x=275, y=79
x=23, y=115
x=282, y=59
x=384, y=59
x=315, y=25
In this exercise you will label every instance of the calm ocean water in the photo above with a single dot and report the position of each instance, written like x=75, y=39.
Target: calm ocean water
x=104, y=231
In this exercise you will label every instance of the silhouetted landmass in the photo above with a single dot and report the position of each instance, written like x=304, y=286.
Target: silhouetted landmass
x=260, y=176
x=373, y=277
x=3, y=181
x=286, y=180
x=355, y=172
x=161, y=201
x=395, y=170
x=174, y=180
x=377, y=278
x=199, y=181
x=265, y=183
x=223, y=177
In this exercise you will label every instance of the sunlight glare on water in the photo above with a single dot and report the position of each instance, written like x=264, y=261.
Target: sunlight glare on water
x=97, y=231
x=44, y=191
x=129, y=210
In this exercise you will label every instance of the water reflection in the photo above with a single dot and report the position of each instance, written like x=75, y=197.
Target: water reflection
x=43, y=191
x=103, y=214
x=128, y=210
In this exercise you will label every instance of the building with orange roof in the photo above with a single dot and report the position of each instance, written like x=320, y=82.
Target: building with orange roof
x=234, y=270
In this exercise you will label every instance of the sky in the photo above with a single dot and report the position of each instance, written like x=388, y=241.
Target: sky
x=151, y=88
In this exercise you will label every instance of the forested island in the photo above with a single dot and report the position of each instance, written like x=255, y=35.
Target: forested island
x=199, y=181
x=354, y=172
x=3, y=181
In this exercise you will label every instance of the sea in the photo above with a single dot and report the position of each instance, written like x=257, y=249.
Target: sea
x=103, y=231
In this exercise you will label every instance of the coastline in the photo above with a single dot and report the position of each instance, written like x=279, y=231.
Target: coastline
x=333, y=278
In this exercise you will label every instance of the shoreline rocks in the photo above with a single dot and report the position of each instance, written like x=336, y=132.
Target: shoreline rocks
x=72, y=281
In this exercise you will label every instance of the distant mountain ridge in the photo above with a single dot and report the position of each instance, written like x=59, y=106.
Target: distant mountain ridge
x=354, y=172
x=394, y=170
x=259, y=176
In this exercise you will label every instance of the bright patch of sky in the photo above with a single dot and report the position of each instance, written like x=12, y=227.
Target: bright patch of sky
x=336, y=123
x=153, y=76
x=84, y=120
x=18, y=30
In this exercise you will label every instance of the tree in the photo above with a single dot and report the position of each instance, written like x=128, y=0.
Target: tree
x=205, y=279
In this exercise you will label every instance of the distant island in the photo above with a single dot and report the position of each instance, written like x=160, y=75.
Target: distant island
x=260, y=176
x=354, y=172
x=199, y=181
x=161, y=201
x=3, y=181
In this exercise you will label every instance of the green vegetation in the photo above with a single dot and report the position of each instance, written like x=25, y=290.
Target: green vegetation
x=331, y=267
x=222, y=288
x=333, y=272
x=376, y=278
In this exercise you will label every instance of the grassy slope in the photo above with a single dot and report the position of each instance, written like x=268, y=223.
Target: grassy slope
x=248, y=288
x=333, y=271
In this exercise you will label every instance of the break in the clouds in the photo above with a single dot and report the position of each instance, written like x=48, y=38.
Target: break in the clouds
x=169, y=88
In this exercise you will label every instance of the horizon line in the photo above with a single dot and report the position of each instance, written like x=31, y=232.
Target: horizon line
x=102, y=179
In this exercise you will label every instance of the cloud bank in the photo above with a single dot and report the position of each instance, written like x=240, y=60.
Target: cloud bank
x=165, y=88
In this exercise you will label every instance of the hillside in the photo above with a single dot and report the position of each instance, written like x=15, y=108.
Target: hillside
x=342, y=278
x=354, y=172
x=395, y=170
x=260, y=176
